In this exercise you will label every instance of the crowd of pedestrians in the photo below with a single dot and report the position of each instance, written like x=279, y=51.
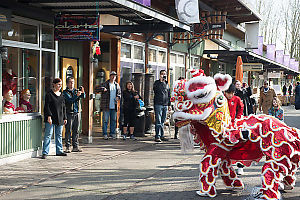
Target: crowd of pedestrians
x=63, y=108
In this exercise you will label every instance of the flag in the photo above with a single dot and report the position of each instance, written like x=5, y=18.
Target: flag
x=188, y=11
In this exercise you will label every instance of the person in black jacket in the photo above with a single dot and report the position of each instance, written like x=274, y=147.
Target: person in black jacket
x=244, y=92
x=161, y=102
x=72, y=97
x=130, y=104
x=55, y=117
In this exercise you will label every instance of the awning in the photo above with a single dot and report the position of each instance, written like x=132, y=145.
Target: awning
x=228, y=56
x=238, y=11
x=126, y=9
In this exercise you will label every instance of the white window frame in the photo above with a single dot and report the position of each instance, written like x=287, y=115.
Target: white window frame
x=31, y=46
x=157, y=48
x=133, y=43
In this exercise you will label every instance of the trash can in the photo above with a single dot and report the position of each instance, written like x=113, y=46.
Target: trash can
x=148, y=100
x=138, y=82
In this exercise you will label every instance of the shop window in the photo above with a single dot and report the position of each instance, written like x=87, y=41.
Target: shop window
x=125, y=50
x=47, y=37
x=162, y=57
x=138, y=52
x=197, y=63
x=180, y=59
x=179, y=72
x=173, y=58
x=138, y=67
x=152, y=55
x=48, y=71
x=21, y=33
x=20, y=81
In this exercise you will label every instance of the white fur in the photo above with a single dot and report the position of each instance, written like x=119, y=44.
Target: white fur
x=186, y=139
x=183, y=115
x=223, y=77
x=210, y=89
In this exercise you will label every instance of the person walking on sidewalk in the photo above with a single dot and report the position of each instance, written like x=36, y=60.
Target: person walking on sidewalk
x=55, y=117
x=161, y=103
x=72, y=97
x=266, y=97
x=111, y=94
x=130, y=105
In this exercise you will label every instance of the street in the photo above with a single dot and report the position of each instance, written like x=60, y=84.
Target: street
x=117, y=169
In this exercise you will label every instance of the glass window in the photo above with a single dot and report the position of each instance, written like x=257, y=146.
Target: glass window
x=180, y=59
x=173, y=58
x=20, y=81
x=47, y=37
x=138, y=67
x=179, y=72
x=152, y=55
x=21, y=33
x=138, y=52
x=48, y=71
x=125, y=50
x=162, y=56
x=196, y=63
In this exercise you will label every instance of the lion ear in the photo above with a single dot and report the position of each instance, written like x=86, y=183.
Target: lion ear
x=223, y=81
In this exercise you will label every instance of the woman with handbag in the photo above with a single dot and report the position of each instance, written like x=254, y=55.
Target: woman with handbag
x=130, y=105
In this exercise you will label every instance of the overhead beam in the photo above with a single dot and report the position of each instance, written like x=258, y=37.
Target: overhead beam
x=142, y=28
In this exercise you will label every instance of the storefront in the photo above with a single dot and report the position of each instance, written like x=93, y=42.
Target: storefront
x=27, y=74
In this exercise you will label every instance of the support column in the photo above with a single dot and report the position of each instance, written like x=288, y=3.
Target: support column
x=1, y=98
x=115, y=47
x=88, y=106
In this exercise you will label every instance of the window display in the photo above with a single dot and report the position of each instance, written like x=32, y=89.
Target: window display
x=20, y=81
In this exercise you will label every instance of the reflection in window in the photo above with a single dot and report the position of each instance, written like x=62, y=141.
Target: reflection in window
x=139, y=67
x=152, y=55
x=162, y=56
x=20, y=81
x=125, y=50
x=47, y=73
x=138, y=52
x=179, y=72
x=47, y=37
x=21, y=33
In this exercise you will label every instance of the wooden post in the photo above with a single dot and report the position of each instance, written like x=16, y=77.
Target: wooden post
x=88, y=106
x=115, y=47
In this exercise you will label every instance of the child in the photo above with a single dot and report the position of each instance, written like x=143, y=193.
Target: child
x=236, y=108
x=276, y=109
x=235, y=103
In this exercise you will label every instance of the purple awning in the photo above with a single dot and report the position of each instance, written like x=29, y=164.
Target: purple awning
x=271, y=51
x=279, y=56
x=259, y=50
x=286, y=60
x=144, y=2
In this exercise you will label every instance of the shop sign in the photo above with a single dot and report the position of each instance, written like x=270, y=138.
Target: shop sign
x=274, y=74
x=254, y=67
x=77, y=27
x=5, y=19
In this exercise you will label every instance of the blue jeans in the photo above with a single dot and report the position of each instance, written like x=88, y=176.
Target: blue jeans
x=58, y=138
x=112, y=115
x=160, y=117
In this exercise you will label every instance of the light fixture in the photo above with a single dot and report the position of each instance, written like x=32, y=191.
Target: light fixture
x=10, y=33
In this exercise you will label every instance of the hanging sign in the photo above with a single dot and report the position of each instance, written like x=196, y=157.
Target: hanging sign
x=77, y=27
x=5, y=19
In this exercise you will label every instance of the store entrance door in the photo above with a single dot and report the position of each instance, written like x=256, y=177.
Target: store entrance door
x=69, y=68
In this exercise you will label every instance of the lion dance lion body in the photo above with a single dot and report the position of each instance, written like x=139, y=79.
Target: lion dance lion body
x=201, y=103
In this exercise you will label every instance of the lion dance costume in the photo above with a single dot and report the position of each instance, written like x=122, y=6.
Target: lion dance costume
x=203, y=113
